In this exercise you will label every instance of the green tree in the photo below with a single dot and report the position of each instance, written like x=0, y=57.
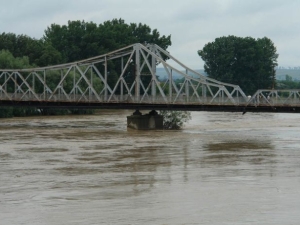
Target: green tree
x=8, y=42
x=8, y=61
x=74, y=41
x=288, y=83
x=248, y=62
x=48, y=56
x=79, y=39
x=174, y=120
x=39, y=52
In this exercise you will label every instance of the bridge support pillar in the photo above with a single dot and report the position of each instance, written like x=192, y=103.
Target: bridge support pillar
x=150, y=121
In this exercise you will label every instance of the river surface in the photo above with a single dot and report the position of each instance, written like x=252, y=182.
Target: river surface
x=222, y=168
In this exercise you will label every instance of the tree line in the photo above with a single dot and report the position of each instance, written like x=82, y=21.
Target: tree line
x=288, y=83
x=79, y=40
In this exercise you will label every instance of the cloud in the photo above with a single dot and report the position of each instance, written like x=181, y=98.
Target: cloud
x=191, y=23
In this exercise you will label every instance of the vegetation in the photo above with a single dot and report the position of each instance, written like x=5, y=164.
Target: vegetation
x=7, y=60
x=38, y=52
x=79, y=40
x=248, y=62
x=174, y=120
x=288, y=83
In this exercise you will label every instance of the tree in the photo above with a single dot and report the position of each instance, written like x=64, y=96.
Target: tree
x=288, y=83
x=247, y=62
x=48, y=56
x=174, y=120
x=7, y=60
x=38, y=52
x=79, y=39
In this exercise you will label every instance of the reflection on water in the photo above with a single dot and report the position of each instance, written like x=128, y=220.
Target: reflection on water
x=237, y=152
x=222, y=168
x=238, y=146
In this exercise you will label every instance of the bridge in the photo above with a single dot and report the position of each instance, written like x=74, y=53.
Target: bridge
x=128, y=79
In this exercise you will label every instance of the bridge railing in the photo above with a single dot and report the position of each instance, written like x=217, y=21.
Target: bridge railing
x=182, y=99
x=272, y=98
x=159, y=99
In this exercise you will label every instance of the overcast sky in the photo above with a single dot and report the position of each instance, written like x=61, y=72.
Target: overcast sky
x=191, y=23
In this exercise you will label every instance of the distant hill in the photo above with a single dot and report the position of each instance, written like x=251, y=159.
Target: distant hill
x=162, y=74
x=280, y=73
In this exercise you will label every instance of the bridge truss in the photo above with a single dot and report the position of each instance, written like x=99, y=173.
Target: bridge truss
x=126, y=76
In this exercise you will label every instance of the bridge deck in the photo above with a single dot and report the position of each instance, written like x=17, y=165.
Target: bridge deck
x=153, y=106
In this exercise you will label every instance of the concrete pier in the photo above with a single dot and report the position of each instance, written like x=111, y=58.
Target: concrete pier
x=150, y=121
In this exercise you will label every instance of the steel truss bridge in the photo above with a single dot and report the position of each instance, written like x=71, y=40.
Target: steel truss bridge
x=128, y=79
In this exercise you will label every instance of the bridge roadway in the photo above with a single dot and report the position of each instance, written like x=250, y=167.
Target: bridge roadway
x=242, y=107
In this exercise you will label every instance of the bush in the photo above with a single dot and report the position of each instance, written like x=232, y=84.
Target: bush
x=174, y=120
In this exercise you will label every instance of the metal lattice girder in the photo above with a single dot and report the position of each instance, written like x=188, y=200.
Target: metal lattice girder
x=273, y=97
x=125, y=75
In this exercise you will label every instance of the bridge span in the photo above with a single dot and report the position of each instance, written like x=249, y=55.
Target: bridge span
x=128, y=79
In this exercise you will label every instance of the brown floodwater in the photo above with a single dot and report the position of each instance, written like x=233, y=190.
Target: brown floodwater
x=222, y=168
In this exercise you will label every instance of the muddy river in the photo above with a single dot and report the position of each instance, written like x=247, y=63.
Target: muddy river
x=222, y=168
